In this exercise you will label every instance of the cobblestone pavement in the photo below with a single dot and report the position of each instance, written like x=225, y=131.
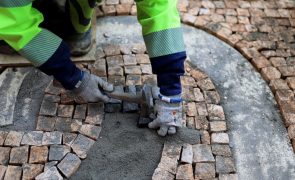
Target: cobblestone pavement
x=67, y=128
x=263, y=31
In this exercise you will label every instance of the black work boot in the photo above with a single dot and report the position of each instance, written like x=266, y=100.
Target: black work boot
x=80, y=44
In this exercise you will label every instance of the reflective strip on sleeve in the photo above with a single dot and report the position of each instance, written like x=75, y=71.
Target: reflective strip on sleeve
x=164, y=42
x=41, y=47
x=14, y=3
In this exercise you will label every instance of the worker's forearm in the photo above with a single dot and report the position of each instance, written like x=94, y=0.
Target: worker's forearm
x=62, y=68
x=19, y=27
x=162, y=33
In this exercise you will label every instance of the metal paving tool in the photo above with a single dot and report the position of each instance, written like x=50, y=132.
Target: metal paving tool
x=144, y=98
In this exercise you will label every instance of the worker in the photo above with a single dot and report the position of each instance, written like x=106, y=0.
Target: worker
x=162, y=33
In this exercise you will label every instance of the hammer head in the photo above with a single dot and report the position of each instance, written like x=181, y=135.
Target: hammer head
x=145, y=98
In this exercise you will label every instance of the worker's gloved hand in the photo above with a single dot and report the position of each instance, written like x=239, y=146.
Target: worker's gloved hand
x=91, y=88
x=168, y=110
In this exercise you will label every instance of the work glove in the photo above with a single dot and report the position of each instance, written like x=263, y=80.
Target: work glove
x=168, y=111
x=91, y=88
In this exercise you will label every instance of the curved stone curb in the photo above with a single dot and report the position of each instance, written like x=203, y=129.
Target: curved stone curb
x=10, y=82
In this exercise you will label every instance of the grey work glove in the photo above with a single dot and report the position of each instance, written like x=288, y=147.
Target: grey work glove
x=169, y=116
x=92, y=87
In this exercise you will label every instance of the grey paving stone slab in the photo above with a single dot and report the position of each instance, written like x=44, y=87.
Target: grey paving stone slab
x=10, y=83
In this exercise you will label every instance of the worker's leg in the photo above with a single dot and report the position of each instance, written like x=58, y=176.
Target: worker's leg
x=80, y=13
x=162, y=34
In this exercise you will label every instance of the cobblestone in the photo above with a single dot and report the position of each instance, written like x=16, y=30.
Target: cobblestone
x=13, y=172
x=217, y=126
x=168, y=164
x=80, y=111
x=2, y=171
x=67, y=98
x=115, y=61
x=202, y=153
x=13, y=138
x=51, y=173
x=185, y=172
x=54, y=90
x=45, y=123
x=57, y=152
x=201, y=122
x=221, y=150
x=225, y=165
x=32, y=138
x=199, y=97
x=63, y=124
x=50, y=138
x=3, y=135
x=48, y=108
x=219, y=138
x=215, y=112
x=19, y=155
x=112, y=50
x=95, y=120
x=81, y=145
x=30, y=171
x=90, y=131
x=133, y=80
x=115, y=71
x=51, y=98
x=38, y=154
x=99, y=68
x=69, y=164
x=4, y=158
x=191, y=109
x=142, y=58
x=204, y=170
x=49, y=165
x=68, y=138
x=202, y=109
x=162, y=174
x=132, y=70
x=129, y=59
x=206, y=84
x=205, y=137
x=187, y=154
x=94, y=109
